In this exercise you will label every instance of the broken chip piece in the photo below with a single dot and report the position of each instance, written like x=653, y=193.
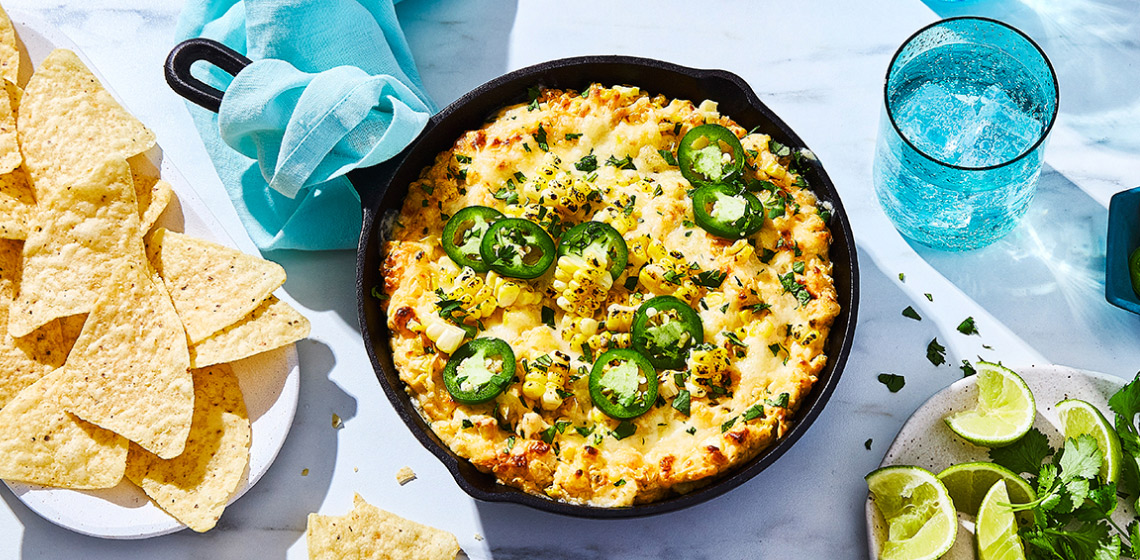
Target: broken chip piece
x=370, y=532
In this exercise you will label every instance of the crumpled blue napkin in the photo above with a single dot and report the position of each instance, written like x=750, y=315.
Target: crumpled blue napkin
x=332, y=87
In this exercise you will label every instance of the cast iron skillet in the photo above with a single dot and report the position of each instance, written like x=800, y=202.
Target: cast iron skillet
x=382, y=189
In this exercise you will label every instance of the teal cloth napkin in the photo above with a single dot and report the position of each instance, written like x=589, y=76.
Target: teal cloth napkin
x=332, y=87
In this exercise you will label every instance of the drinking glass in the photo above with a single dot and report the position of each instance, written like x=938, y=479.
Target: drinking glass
x=968, y=104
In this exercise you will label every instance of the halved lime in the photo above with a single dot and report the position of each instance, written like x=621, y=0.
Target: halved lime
x=1079, y=417
x=919, y=513
x=968, y=483
x=1005, y=409
x=996, y=528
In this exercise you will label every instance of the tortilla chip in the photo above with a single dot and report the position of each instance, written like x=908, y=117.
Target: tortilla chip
x=370, y=532
x=153, y=198
x=10, y=157
x=17, y=204
x=130, y=369
x=70, y=327
x=9, y=49
x=68, y=124
x=23, y=361
x=78, y=238
x=42, y=444
x=195, y=486
x=212, y=286
x=273, y=325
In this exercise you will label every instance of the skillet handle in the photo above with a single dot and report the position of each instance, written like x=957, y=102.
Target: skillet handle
x=185, y=54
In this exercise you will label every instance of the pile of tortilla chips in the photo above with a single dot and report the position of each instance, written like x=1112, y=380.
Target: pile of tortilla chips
x=115, y=335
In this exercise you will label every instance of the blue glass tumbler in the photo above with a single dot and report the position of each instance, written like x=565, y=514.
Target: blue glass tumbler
x=968, y=105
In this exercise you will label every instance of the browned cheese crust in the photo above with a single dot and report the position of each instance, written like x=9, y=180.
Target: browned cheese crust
x=527, y=162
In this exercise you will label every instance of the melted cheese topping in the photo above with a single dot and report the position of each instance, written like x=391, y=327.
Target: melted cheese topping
x=765, y=324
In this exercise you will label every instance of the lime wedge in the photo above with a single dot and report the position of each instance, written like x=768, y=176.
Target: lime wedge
x=918, y=512
x=1079, y=417
x=1005, y=409
x=996, y=528
x=968, y=483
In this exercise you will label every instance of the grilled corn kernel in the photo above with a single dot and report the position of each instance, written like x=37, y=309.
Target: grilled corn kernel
x=687, y=292
x=710, y=364
x=475, y=296
x=582, y=282
x=534, y=385
x=740, y=251
x=447, y=337
x=619, y=318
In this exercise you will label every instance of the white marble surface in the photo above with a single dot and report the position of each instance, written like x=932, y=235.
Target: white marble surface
x=1037, y=295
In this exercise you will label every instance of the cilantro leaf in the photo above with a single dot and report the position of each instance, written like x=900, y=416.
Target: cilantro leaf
x=967, y=326
x=911, y=313
x=1081, y=458
x=893, y=382
x=935, y=352
x=867, y=444
x=967, y=369
x=1024, y=455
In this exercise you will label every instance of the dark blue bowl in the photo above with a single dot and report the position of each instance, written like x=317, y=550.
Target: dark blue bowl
x=1123, y=238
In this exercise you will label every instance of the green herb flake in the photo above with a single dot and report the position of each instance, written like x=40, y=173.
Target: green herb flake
x=911, y=313
x=624, y=430
x=867, y=444
x=468, y=424
x=668, y=157
x=728, y=424
x=462, y=158
x=573, y=135
x=533, y=94
x=755, y=411
x=623, y=163
x=631, y=283
x=540, y=137
x=929, y=297
x=967, y=369
x=682, y=402
x=620, y=482
x=692, y=430
x=710, y=278
x=781, y=401
x=548, y=316
x=893, y=382
x=510, y=443
x=967, y=326
x=587, y=164
x=935, y=352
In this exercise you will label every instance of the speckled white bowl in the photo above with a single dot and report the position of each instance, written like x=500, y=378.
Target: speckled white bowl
x=927, y=442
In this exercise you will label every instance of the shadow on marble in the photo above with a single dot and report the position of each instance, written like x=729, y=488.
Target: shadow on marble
x=1092, y=45
x=322, y=281
x=458, y=44
x=817, y=484
x=1047, y=276
x=269, y=518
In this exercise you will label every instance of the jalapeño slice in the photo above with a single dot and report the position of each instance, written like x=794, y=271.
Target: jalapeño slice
x=479, y=370
x=517, y=248
x=583, y=235
x=664, y=328
x=701, y=155
x=623, y=384
x=727, y=212
x=464, y=231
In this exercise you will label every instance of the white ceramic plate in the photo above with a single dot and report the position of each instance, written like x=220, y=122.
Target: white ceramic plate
x=927, y=442
x=270, y=382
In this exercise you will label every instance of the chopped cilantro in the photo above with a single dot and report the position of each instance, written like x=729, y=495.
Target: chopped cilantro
x=902, y=277
x=548, y=316
x=510, y=443
x=631, y=283
x=755, y=411
x=734, y=340
x=623, y=163
x=728, y=424
x=893, y=382
x=967, y=369
x=967, y=326
x=468, y=424
x=935, y=352
x=929, y=297
x=584, y=431
x=668, y=157
x=710, y=278
x=624, y=430
x=540, y=137
x=798, y=267
x=682, y=402
x=867, y=444
x=573, y=135
x=692, y=430
x=462, y=159
x=778, y=149
x=620, y=482
x=533, y=93
x=781, y=401
x=910, y=312
x=587, y=164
